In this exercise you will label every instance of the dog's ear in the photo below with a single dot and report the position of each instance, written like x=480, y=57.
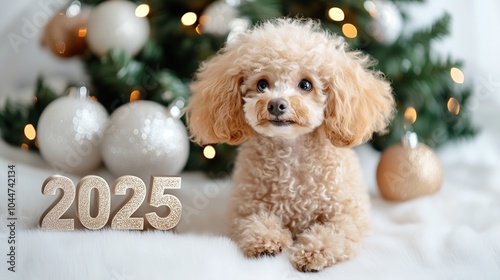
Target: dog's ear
x=360, y=100
x=215, y=110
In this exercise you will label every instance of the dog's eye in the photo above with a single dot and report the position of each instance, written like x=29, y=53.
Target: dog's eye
x=305, y=85
x=262, y=85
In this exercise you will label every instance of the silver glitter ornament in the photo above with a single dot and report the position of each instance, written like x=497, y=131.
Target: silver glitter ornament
x=218, y=16
x=143, y=139
x=70, y=131
x=387, y=23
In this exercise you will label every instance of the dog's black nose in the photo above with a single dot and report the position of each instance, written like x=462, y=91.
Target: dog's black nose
x=277, y=106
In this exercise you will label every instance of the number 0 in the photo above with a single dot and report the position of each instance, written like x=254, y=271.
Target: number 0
x=85, y=186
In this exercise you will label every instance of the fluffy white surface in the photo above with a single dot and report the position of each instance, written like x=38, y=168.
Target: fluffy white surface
x=452, y=235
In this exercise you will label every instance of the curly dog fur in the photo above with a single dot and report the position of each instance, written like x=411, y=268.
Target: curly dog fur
x=296, y=98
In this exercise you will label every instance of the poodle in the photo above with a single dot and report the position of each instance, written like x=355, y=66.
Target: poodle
x=296, y=99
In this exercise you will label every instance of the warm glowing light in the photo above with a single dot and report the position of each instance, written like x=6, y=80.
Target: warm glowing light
x=205, y=19
x=457, y=75
x=29, y=131
x=189, y=18
x=453, y=106
x=411, y=115
x=35, y=99
x=135, y=95
x=336, y=14
x=142, y=10
x=349, y=30
x=209, y=152
x=198, y=29
x=93, y=97
x=82, y=32
x=24, y=146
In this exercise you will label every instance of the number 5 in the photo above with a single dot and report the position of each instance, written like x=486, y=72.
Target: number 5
x=158, y=198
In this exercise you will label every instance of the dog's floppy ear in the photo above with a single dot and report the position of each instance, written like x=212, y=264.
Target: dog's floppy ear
x=215, y=110
x=360, y=100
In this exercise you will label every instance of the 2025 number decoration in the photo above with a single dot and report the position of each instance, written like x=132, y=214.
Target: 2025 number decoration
x=122, y=220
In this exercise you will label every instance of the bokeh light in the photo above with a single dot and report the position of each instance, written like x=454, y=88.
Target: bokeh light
x=411, y=115
x=135, y=95
x=457, y=75
x=336, y=14
x=189, y=18
x=209, y=152
x=349, y=30
x=82, y=32
x=453, y=106
x=142, y=10
x=29, y=131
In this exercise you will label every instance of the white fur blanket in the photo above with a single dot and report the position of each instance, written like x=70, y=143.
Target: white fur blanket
x=452, y=235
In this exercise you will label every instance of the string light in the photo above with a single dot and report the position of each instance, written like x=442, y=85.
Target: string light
x=209, y=152
x=336, y=14
x=349, y=30
x=29, y=131
x=189, y=18
x=142, y=10
x=82, y=32
x=453, y=106
x=198, y=29
x=457, y=75
x=135, y=95
x=24, y=146
x=411, y=115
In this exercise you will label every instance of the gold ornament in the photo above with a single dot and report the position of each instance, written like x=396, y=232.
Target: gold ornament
x=409, y=170
x=65, y=33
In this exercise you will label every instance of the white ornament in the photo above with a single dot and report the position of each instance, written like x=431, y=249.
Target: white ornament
x=70, y=132
x=143, y=139
x=218, y=17
x=387, y=22
x=113, y=24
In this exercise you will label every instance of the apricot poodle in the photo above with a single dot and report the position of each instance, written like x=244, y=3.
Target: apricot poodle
x=296, y=98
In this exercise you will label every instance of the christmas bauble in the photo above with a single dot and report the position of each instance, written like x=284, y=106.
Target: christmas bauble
x=143, y=139
x=65, y=33
x=217, y=17
x=408, y=170
x=114, y=24
x=387, y=22
x=70, y=132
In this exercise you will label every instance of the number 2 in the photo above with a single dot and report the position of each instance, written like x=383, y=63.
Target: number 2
x=51, y=218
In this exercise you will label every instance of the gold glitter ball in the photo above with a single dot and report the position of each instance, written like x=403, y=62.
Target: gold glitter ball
x=405, y=173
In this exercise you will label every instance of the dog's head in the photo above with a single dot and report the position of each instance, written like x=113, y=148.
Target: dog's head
x=285, y=78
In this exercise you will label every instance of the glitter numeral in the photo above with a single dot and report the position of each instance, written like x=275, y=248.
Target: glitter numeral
x=158, y=198
x=103, y=202
x=51, y=219
x=122, y=219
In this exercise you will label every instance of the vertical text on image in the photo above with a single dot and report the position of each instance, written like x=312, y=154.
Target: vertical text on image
x=11, y=217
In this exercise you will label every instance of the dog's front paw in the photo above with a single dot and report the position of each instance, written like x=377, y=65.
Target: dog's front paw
x=261, y=247
x=308, y=259
x=320, y=247
x=262, y=235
